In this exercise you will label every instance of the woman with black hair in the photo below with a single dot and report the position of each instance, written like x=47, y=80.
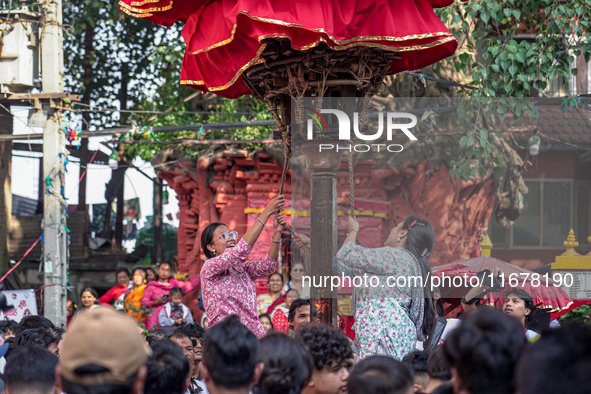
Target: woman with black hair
x=88, y=299
x=133, y=297
x=228, y=278
x=266, y=303
x=396, y=309
x=265, y=320
x=519, y=304
x=116, y=295
x=150, y=275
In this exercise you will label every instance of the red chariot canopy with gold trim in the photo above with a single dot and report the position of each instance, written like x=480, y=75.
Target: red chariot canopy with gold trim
x=226, y=37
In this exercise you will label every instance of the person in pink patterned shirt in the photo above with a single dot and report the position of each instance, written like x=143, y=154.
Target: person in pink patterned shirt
x=227, y=279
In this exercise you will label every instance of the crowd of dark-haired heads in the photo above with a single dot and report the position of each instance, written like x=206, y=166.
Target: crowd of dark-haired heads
x=104, y=352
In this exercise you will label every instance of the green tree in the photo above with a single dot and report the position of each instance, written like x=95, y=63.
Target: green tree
x=511, y=49
x=125, y=63
x=107, y=56
x=110, y=57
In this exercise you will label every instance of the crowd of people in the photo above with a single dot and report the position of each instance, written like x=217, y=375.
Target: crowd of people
x=145, y=340
x=104, y=352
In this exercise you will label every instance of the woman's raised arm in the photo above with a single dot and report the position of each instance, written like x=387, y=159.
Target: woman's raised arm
x=274, y=206
x=266, y=265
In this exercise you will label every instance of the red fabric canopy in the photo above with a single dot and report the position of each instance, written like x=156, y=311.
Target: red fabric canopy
x=551, y=298
x=226, y=37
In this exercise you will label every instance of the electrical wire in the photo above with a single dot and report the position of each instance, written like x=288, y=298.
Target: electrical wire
x=105, y=109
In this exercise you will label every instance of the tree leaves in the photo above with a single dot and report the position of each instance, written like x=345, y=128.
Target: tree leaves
x=105, y=50
x=519, y=48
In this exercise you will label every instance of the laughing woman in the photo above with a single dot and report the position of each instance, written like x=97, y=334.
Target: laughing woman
x=227, y=279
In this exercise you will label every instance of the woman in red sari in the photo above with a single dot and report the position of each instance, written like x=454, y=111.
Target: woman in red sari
x=156, y=294
x=116, y=295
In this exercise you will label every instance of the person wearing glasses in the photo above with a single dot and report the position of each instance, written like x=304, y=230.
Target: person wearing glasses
x=158, y=292
x=296, y=274
x=227, y=277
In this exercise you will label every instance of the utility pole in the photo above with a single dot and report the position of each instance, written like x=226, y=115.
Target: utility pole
x=157, y=249
x=55, y=248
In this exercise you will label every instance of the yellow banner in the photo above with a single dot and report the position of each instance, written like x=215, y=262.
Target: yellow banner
x=366, y=213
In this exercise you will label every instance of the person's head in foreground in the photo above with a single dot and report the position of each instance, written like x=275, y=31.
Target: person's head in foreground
x=483, y=353
x=287, y=366
x=34, y=321
x=103, y=352
x=437, y=369
x=332, y=358
x=153, y=338
x=299, y=313
x=39, y=337
x=380, y=375
x=30, y=370
x=417, y=364
x=518, y=304
x=168, y=369
x=559, y=362
x=230, y=357
x=444, y=388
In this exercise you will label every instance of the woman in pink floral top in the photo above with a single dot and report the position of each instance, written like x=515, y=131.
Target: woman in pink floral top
x=227, y=279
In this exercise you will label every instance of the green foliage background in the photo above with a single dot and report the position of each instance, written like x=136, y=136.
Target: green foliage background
x=511, y=49
x=105, y=48
x=578, y=315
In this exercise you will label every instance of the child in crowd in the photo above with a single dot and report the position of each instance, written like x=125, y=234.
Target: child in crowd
x=266, y=322
x=175, y=312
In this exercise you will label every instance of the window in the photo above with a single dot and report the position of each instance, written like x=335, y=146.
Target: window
x=583, y=213
x=550, y=209
x=526, y=229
